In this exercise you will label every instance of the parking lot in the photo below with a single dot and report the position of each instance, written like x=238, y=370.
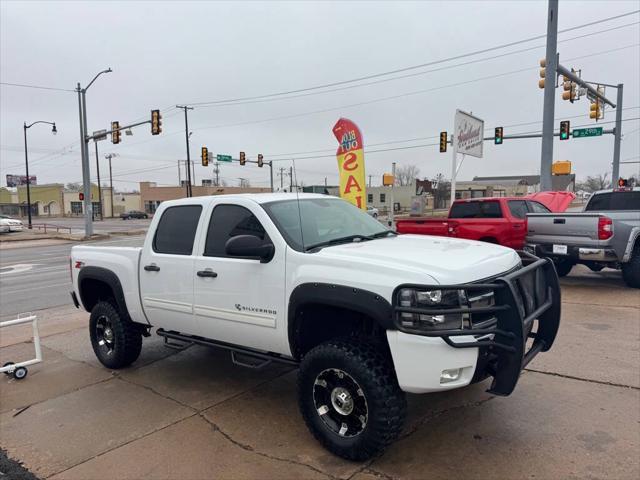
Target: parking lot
x=193, y=414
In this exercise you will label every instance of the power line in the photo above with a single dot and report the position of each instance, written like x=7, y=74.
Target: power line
x=384, y=80
x=23, y=85
x=402, y=95
x=414, y=67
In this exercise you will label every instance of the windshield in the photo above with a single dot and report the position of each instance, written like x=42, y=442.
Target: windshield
x=323, y=221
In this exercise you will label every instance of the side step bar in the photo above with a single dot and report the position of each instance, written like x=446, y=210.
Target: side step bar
x=238, y=352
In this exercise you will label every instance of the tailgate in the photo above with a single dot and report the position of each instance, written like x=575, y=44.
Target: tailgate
x=423, y=226
x=566, y=228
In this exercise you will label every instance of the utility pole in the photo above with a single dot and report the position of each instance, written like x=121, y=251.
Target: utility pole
x=281, y=177
x=369, y=180
x=291, y=179
x=186, y=135
x=618, y=136
x=216, y=170
x=109, y=156
x=271, y=174
x=546, y=154
x=95, y=141
x=84, y=152
x=393, y=173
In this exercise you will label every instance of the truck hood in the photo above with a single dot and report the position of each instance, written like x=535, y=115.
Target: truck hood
x=447, y=261
x=554, y=201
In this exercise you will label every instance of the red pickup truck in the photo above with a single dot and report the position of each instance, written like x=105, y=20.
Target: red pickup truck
x=494, y=219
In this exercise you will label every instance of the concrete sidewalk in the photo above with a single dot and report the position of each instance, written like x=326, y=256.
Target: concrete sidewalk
x=194, y=414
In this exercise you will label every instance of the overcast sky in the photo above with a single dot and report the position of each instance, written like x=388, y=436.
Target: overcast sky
x=168, y=53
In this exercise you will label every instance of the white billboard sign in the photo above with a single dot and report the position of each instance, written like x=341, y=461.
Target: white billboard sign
x=468, y=134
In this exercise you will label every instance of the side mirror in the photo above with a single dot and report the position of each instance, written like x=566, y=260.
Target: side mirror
x=249, y=246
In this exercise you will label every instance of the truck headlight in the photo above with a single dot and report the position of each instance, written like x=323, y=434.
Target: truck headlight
x=431, y=300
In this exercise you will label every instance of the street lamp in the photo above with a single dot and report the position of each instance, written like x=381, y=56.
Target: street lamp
x=86, y=179
x=54, y=130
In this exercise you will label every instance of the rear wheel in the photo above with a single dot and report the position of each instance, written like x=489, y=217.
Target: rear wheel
x=116, y=342
x=350, y=399
x=631, y=269
x=563, y=268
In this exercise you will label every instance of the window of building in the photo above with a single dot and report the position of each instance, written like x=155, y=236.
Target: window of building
x=177, y=230
x=96, y=208
x=369, y=197
x=76, y=208
x=229, y=221
x=383, y=198
x=150, y=206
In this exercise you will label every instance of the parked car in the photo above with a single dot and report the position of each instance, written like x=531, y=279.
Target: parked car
x=8, y=224
x=316, y=283
x=133, y=214
x=500, y=220
x=373, y=211
x=605, y=234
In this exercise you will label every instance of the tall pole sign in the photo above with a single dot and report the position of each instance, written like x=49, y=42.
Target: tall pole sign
x=467, y=139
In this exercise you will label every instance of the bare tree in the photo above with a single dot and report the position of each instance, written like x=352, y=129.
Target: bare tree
x=441, y=190
x=406, y=175
x=73, y=187
x=595, y=183
x=244, y=183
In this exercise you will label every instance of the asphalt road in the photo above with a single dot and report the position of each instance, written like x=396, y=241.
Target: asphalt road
x=34, y=278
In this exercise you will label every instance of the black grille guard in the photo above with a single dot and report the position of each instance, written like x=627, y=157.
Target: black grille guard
x=522, y=297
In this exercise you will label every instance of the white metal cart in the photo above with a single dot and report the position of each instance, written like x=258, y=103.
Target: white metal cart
x=19, y=370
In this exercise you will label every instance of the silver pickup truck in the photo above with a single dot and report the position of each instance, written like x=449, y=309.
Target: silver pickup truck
x=605, y=234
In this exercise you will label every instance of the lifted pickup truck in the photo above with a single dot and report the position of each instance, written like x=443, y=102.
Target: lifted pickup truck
x=500, y=220
x=605, y=234
x=314, y=282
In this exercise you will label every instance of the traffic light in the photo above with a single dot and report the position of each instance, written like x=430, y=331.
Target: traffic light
x=497, y=138
x=622, y=182
x=543, y=72
x=565, y=128
x=156, y=122
x=595, y=110
x=81, y=196
x=115, y=132
x=243, y=158
x=260, y=160
x=205, y=157
x=569, y=91
x=443, y=142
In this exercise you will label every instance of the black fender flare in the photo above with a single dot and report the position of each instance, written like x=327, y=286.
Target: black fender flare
x=106, y=276
x=365, y=302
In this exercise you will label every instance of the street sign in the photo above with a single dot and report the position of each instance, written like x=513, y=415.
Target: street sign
x=223, y=158
x=99, y=135
x=587, y=132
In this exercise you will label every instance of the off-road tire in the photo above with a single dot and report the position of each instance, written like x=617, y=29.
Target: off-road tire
x=374, y=374
x=563, y=268
x=127, y=338
x=631, y=269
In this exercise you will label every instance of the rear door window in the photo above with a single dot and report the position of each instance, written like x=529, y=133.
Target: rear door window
x=176, y=230
x=476, y=210
x=518, y=208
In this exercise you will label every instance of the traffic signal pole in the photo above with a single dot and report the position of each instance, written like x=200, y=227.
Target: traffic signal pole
x=86, y=180
x=618, y=136
x=546, y=154
x=186, y=134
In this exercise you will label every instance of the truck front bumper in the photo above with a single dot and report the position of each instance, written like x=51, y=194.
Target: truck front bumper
x=526, y=308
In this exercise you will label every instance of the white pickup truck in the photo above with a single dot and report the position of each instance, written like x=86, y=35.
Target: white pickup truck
x=314, y=282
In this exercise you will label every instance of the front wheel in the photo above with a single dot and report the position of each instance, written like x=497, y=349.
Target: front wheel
x=349, y=398
x=116, y=342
